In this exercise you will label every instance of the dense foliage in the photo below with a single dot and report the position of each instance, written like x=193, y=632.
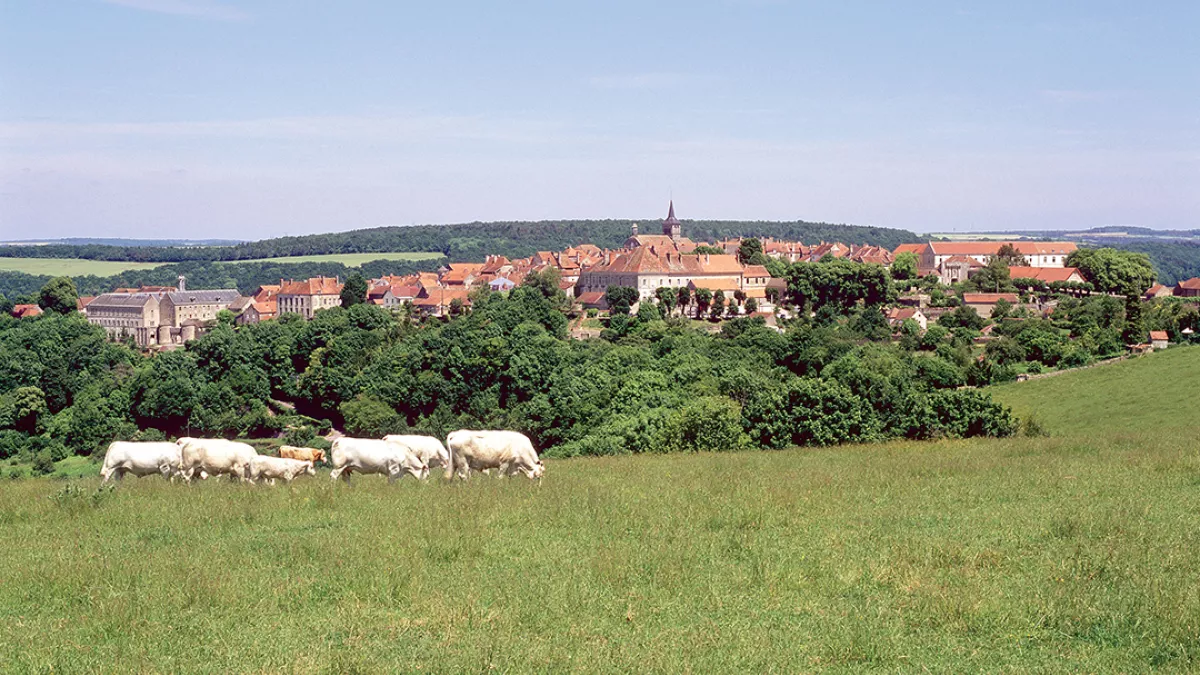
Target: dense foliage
x=245, y=276
x=471, y=241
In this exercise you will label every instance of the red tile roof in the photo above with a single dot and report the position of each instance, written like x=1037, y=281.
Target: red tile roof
x=1047, y=274
x=313, y=286
x=993, y=247
x=1157, y=335
x=1192, y=284
x=25, y=311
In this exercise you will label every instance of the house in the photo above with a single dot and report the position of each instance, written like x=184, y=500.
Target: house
x=1188, y=289
x=26, y=311
x=262, y=306
x=593, y=300
x=1159, y=339
x=958, y=268
x=1158, y=291
x=1048, y=275
x=440, y=301
x=83, y=301
x=985, y=303
x=671, y=237
x=310, y=296
x=898, y=315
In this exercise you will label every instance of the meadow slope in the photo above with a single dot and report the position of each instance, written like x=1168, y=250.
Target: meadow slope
x=1077, y=552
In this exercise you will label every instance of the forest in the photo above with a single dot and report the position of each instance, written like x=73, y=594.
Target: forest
x=471, y=241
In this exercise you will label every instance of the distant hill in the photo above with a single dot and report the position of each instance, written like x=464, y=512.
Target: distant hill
x=85, y=241
x=470, y=241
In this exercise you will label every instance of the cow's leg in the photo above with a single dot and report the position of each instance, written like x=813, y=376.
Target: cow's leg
x=105, y=474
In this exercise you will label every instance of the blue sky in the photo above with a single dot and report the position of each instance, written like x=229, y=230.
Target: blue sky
x=256, y=118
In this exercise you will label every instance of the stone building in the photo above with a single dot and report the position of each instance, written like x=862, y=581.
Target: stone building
x=307, y=297
x=135, y=315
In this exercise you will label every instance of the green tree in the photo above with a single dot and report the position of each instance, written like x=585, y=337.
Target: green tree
x=751, y=305
x=6, y=305
x=963, y=316
x=904, y=267
x=620, y=299
x=750, y=252
x=992, y=277
x=354, y=291
x=59, y=296
x=703, y=300
x=667, y=298
x=1112, y=271
x=717, y=306
x=683, y=299
x=1011, y=256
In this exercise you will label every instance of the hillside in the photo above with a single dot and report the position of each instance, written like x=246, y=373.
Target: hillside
x=1153, y=393
x=471, y=241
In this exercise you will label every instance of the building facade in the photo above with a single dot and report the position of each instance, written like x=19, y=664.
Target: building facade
x=310, y=296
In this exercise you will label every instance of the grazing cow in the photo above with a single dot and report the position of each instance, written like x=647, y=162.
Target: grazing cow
x=306, y=454
x=509, y=452
x=140, y=459
x=427, y=448
x=265, y=467
x=215, y=456
x=368, y=455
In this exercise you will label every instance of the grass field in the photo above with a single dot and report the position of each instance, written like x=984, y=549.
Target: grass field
x=1074, y=553
x=349, y=259
x=71, y=266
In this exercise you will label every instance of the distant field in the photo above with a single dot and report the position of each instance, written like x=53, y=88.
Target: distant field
x=72, y=266
x=348, y=259
x=1074, y=553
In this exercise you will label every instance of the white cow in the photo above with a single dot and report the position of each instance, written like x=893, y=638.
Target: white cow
x=268, y=468
x=140, y=459
x=368, y=455
x=509, y=452
x=213, y=456
x=427, y=448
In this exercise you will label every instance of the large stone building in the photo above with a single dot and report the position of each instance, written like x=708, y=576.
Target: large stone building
x=121, y=315
x=308, y=297
x=157, y=315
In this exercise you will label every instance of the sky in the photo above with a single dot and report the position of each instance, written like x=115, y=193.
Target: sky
x=248, y=119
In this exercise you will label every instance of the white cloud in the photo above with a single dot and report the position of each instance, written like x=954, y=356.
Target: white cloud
x=202, y=9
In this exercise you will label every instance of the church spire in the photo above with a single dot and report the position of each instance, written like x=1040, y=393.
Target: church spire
x=671, y=226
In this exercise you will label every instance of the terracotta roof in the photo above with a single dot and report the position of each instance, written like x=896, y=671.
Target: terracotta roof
x=962, y=259
x=593, y=298
x=901, y=313
x=993, y=247
x=442, y=297
x=405, y=292
x=910, y=248
x=84, y=301
x=989, y=298
x=24, y=311
x=1157, y=290
x=755, y=271
x=1156, y=335
x=716, y=284
x=1192, y=284
x=1047, y=274
x=312, y=286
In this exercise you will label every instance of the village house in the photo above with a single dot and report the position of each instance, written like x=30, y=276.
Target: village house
x=135, y=315
x=1189, y=288
x=262, y=306
x=898, y=315
x=1048, y=275
x=1159, y=339
x=310, y=296
x=1158, y=291
x=26, y=311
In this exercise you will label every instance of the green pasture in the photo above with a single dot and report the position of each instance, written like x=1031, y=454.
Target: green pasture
x=76, y=267
x=347, y=259
x=1077, y=552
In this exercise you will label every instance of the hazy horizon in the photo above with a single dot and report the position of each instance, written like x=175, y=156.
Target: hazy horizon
x=251, y=119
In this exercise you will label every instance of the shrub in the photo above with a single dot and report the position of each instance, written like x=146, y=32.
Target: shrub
x=712, y=423
x=42, y=464
x=965, y=413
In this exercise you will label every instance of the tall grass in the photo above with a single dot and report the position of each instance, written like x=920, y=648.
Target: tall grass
x=1059, y=554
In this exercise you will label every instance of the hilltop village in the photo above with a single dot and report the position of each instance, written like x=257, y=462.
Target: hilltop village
x=165, y=316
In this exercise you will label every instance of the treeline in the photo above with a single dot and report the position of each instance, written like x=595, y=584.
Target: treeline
x=653, y=385
x=471, y=241
x=245, y=276
x=1175, y=260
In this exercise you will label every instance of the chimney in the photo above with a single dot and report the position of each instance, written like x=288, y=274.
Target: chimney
x=635, y=229
x=182, y=283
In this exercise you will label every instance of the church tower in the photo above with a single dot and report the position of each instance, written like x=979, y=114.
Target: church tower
x=671, y=226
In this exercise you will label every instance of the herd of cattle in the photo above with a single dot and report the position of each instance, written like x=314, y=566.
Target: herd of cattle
x=506, y=452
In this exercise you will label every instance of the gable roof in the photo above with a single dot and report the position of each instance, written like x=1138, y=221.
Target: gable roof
x=1157, y=335
x=1192, y=284
x=312, y=286
x=993, y=247
x=1044, y=273
x=24, y=311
